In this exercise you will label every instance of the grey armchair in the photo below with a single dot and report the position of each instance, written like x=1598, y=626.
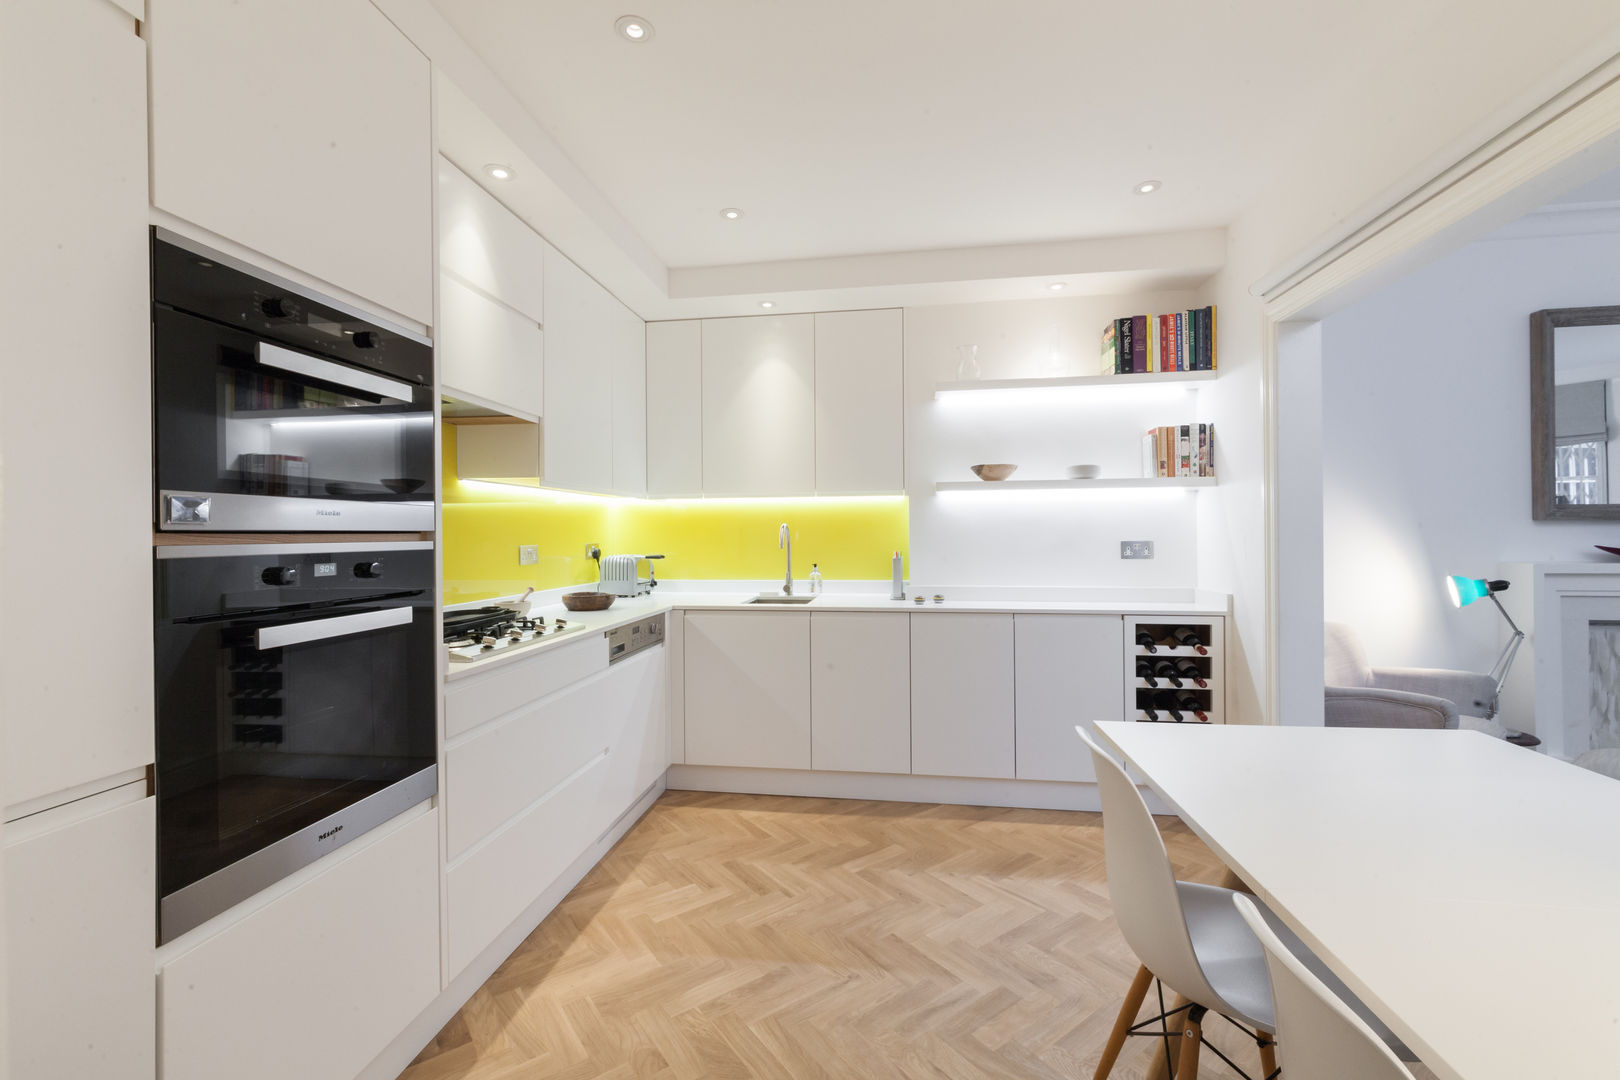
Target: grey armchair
x=1359, y=695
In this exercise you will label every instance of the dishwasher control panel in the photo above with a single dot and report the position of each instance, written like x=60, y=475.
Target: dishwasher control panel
x=631, y=638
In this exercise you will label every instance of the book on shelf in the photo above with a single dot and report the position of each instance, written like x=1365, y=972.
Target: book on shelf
x=1177, y=450
x=1174, y=341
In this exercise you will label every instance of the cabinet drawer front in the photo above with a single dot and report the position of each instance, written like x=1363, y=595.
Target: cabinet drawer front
x=318, y=982
x=492, y=886
x=962, y=695
x=484, y=243
x=748, y=689
x=489, y=350
x=1067, y=674
x=478, y=699
x=491, y=777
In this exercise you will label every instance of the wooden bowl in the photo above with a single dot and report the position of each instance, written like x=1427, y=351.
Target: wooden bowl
x=994, y=472
x=587, y=601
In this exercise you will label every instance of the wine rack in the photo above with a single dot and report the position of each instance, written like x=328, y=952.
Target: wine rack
x=1168, y=681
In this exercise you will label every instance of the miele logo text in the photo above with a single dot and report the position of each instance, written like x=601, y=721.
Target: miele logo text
x=328, y=513
x=330, y=833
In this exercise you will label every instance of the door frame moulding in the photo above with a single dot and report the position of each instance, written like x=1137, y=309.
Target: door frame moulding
x=1509, y=174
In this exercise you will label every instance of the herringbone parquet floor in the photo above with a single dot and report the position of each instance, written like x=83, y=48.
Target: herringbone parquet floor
x=741, y=936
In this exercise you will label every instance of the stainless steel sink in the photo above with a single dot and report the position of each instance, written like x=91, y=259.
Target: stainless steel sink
x=778, y=598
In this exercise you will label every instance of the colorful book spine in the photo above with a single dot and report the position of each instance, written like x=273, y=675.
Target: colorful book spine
x=1184, y=451
x=1139, y=343
x=1150, y=455
x=1110, y=350
x=1124, y=336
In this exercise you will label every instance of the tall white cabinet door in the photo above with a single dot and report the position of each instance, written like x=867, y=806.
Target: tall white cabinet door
x=627, y=338
x=79, y=925
x=78, y=333
x=303, y=130
x=487, y=246
x=759, y=400
x=962, y=695
x=748, y=689
x=675, y=408
x=1068, y=674
x=488, y=352
x=860, y=691
x=578, y=380
x=860, y=403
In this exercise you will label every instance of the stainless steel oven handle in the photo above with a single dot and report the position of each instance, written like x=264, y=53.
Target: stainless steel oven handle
x=274, y=637
x=316, y=368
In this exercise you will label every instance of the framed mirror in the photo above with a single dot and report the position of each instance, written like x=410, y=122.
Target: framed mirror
x=1575, y=414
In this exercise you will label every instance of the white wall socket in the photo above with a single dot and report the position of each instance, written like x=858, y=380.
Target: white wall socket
x=1136, y=549
x=528, y=554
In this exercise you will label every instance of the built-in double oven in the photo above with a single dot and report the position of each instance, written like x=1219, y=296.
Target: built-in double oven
x=297, y=672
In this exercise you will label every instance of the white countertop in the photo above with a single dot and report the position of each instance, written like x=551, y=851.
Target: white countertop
x=842, y=596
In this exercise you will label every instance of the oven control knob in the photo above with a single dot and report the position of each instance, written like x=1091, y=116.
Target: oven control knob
x=280, y=575
x=368, y=569
x=275, y=308
x=364, y=339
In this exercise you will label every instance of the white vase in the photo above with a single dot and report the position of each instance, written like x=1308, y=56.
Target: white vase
x=968, y=366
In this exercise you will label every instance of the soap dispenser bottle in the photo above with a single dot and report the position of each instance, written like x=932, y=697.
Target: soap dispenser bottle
x=815, y=579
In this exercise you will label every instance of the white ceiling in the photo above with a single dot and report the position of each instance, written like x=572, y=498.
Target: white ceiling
x=848, y=127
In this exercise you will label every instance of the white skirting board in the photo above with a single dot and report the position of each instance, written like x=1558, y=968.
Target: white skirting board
x=894, y=787
x=403, y=1050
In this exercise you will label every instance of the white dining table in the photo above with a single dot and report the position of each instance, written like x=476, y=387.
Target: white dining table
x=1468, y=890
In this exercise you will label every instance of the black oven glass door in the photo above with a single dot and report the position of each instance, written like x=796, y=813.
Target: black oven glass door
x=273, y=721
x=282, y=422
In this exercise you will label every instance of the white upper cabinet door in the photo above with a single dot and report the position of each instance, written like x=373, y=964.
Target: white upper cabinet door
x=627, y=336
x=1068, y=674
x=301, y=129
x=759, y=400
x=78, y=317
x=860, y=691
x=748, y=689
x=487, y=246
x=962, y=695
x=860, y=403
x=80, y=996
x=578, y=379
x=675, y=408
x=488, y=353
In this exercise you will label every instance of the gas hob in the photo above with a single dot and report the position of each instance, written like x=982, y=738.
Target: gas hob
x=474, y=634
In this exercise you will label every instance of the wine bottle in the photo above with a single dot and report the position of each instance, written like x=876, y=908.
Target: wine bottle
x=1189, y=702
x=1145, y=673
x=1147, y=710
x=1165, y=670
x=1166, y=700
x=1187, y=637
x=1187, y=669
x=1145, y=639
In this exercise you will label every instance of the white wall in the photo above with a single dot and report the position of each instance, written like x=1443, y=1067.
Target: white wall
x=1426, y=442
x=1040, y=538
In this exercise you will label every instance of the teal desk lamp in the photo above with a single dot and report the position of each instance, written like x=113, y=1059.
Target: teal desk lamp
x=1465, y=591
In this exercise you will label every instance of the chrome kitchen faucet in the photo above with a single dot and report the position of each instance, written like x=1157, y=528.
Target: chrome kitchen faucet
x=785, y=542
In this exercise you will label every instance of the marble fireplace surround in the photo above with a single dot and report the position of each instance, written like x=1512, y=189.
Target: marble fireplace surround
x=1552, y=690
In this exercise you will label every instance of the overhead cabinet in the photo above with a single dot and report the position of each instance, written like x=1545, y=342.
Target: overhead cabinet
x=675, y=408
x=491, y=301
x=860, y=403
x=759, y=434
x=301, y=129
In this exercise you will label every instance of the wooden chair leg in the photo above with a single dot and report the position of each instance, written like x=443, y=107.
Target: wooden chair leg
x=1122, y=1025
x=1268, y=1055
x=1162, y=1066
x=1192, y=1040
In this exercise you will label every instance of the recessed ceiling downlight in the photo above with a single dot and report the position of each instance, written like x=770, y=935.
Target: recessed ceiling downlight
x=634, y=28
x=1057, y=286
x=731, y=213
x=1148, y=187
x=767, y=303
x=498, y=171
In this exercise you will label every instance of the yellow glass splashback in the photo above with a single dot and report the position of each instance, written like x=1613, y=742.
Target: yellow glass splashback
x=484, y=525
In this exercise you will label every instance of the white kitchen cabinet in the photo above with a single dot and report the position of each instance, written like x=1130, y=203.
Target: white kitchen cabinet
x=488, y=353
x=675, y=408
x=962, y=687
x=860, y=403
x=759, y=431
x=301, y=129
x=627, y=351
x=636, y=719
x=79, y=926
x=578, y=379
x=748, y=689
x=482, y=696
x=78, y=324
x=1067, y=674
x=860, y=691
x=487, y=246
x=318, y=981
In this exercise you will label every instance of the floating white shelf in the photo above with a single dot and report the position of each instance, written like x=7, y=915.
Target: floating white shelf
x=1153, y=378
x=1112, y=483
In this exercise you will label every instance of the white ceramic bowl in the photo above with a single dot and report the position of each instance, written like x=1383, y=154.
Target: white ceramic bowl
x=1084, y=472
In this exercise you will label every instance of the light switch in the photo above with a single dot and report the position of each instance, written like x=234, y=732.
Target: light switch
x=528, y=554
